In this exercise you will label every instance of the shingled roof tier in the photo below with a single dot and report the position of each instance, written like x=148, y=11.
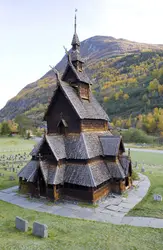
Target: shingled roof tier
x=116, y=170
x=125, y=162
x=85, y=145
x=111, y=145
x=37, y=147
x=89, y=175
x=52, y=173
x=29, y=171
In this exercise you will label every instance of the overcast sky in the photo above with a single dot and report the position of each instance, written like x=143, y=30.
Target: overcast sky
x=33, y=32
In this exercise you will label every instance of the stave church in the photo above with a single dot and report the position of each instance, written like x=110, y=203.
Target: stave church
x=78, y=158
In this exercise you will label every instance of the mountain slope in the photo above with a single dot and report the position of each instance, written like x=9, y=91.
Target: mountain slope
x=114, y=65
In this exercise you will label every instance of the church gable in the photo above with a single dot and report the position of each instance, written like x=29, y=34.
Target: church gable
x=62, y=110
x=69, y=75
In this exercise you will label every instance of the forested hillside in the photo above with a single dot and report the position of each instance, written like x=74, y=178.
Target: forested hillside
x=127, y=80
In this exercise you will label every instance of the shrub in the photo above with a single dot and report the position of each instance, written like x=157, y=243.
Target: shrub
x=135, y=175
x=137, y=136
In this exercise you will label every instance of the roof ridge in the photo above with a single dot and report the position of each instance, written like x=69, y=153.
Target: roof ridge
x=31, y=174
x=51, y=148
x=25, y=166
x=93, y=180
x=83, y=136
x=41, y=167
x=68, y=96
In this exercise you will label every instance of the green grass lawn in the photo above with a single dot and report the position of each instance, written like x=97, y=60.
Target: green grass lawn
x=148, y=207
x=147, y=157
x=4, y=180
x=15, y=144
x=65, y=233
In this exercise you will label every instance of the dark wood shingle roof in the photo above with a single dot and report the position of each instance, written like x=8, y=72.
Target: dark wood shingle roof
x=89, y=175
x=52, y=174
x=111, y=145
x=29, y=171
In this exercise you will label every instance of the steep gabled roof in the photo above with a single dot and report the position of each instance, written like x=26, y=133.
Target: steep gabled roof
x=80, y=76
x=56, y=143
x=37, y=147
x=52, y=173
x=86, y=109
x=125, y=163
x=111, y=145
x=29, y=171
x=116, y=170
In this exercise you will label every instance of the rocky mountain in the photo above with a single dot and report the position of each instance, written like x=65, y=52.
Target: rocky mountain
x=114, y=65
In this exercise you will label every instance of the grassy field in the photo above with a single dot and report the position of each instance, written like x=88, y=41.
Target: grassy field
x=153, y=162
x=147, y=157
x=148, y=207
x=65, y=233
x=15, y=144
x=4, y=180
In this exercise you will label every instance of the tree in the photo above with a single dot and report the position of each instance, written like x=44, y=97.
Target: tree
x=160, y=89
x=106, y=98
x=125, y=97
x=24, y=123
x=153, y=85
x=5, y=129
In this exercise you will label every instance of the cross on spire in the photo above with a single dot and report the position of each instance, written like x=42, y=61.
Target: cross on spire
x=75, y=40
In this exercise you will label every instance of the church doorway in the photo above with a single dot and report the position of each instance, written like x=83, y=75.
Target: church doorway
x=126, y=182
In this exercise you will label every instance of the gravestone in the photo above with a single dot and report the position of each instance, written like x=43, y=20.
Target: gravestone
x=11, y=178
x=21, y=224
x=40, y=230
x=142, y=169
x=157, y=197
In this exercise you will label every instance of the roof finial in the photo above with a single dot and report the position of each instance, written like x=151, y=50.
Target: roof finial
x=68, y=54
x=56, y=73
x=75, y=21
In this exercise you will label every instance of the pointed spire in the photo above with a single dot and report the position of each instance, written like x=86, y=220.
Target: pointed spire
x=75, y=22
x=75, y=53
x=75, y=40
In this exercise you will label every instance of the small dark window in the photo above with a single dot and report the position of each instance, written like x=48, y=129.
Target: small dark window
x=62, y=127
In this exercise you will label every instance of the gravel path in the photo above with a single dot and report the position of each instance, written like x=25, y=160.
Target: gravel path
x=113, y=209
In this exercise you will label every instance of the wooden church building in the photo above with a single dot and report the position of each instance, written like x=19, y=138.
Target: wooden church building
x=78, y=158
